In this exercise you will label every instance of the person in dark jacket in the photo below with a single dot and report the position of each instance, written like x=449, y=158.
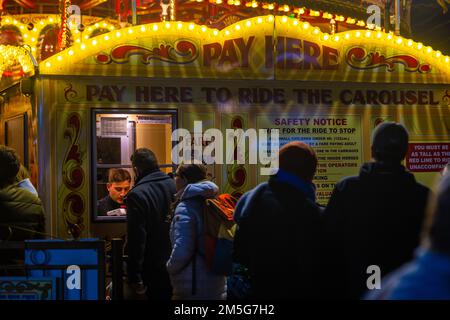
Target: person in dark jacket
x=374, y=219
x=21, y=212
x=279, y=230
x=427, y=277
x=148, y=209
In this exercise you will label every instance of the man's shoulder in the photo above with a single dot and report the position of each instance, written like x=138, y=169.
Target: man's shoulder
x=105, y=204
x=422, y=189
x=103, y=200
x=348, y=183
x=136, y=192
x=18, y=195
x=142, y=186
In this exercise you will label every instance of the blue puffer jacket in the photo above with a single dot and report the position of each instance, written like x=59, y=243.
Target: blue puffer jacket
x=426, y=278
x=187, y=237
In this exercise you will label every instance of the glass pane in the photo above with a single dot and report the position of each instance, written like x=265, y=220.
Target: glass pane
x=117, y=137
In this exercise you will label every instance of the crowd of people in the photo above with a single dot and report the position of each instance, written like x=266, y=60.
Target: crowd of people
x=286, y=246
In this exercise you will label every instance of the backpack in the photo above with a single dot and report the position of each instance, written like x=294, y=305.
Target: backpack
x=220, y=229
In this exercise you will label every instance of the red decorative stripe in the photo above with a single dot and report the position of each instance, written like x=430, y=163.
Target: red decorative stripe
x=182, y=52
x=358, y=58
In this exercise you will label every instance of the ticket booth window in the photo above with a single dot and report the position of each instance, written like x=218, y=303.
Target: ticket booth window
x=117, y=136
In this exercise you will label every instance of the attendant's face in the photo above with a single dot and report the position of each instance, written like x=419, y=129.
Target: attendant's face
x=118, y=190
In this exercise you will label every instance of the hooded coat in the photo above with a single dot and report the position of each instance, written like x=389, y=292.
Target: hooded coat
x=372, y=219
x=188, y=243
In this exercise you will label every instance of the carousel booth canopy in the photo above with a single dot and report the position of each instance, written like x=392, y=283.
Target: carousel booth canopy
x=152, y=78
x=264, y=47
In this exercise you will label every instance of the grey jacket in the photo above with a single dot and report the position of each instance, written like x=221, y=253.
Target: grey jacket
x=187, y=238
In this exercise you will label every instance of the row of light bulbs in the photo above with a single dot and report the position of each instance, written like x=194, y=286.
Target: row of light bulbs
x=286, y=8
x=359, y=35
x=10, y=56
x=30, y=32
x=31, y=37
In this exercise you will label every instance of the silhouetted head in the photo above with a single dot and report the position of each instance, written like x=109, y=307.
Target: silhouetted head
x=299, y=159
x=189, y=173
x=9, y=166
x=144, y=161
x=390, y=142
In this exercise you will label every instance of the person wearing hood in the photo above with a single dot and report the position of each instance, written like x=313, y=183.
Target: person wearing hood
x=148, y=207
x=279, y=231
x=427, y=277
x=375, y=218
x=190, y=276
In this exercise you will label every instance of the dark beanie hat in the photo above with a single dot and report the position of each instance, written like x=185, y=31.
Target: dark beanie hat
x=390, y=142
x=298, y=158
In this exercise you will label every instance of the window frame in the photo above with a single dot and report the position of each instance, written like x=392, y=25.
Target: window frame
x=93, y=161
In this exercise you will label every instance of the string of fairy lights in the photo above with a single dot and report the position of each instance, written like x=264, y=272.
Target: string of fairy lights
x=380, y=38
x=285, y=9
x=85, y=37
x=11, y=56
x=32, y=31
